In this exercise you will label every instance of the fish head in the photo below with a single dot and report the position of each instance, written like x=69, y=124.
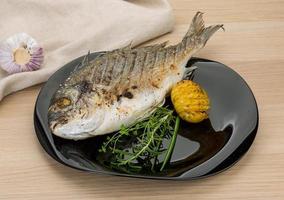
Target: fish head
x=73, y=113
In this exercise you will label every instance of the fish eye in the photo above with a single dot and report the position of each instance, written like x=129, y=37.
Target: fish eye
x=63, y=102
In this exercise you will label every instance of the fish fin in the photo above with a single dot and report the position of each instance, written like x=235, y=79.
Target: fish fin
x=189, y=73
x=154, y=46
x=198, y=30
x=84, y=62
x=127, y=47
x=163, y=44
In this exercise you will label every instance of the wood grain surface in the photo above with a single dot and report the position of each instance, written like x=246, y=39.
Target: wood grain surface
x=253, y=45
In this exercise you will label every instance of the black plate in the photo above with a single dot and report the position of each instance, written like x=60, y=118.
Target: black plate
x=201, y=150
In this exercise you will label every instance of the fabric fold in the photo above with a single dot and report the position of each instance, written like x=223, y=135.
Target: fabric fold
x=69, y=29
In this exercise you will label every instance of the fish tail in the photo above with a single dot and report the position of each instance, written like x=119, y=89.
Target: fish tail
x=199, y=33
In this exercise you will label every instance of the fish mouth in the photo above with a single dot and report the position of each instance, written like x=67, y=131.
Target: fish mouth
x=78, y=136
x=58, y=128
x=71, y=136
x=70, y=129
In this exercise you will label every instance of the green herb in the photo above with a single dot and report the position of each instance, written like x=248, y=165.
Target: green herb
x=172, y=145
x=140, y=146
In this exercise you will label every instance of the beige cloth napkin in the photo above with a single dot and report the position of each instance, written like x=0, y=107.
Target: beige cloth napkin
x=68, y=29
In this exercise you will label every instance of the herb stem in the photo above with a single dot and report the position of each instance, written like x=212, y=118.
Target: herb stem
x=172, y=144
x=148, y=143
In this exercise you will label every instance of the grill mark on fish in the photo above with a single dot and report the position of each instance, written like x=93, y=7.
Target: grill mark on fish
x=140, y=62
x=143, y=65
x=96, y=71
x=173, y=51
x=187, y=42
x=94, y=67
x=156, y=59
x=177, y=49
x=172, y=54
x=99, y=69
x=151, y=65
x=183, y=46
x=118, y=70
x=138, y=67
x=126, y=69
x=150, y=60
x=133, y=62
x=105, y=67
x=148, y=69
x=108, y=75
x=179, y=52
x=164, y=63
x=166, y=56
x=159, y=69
x=162, y=55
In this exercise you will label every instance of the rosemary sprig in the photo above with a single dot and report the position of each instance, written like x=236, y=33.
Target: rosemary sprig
x=140, y=146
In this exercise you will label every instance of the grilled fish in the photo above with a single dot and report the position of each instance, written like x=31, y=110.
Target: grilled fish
x=123, y=85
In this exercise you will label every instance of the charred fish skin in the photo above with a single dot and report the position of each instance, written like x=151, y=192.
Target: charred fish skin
x=123, y=85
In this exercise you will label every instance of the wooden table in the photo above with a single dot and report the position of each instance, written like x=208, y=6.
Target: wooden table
x=253, y=45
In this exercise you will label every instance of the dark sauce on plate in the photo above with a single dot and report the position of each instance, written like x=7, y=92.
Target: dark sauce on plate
x=203, y=142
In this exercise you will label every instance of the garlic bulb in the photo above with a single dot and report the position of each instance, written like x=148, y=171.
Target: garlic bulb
x=20, y=53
